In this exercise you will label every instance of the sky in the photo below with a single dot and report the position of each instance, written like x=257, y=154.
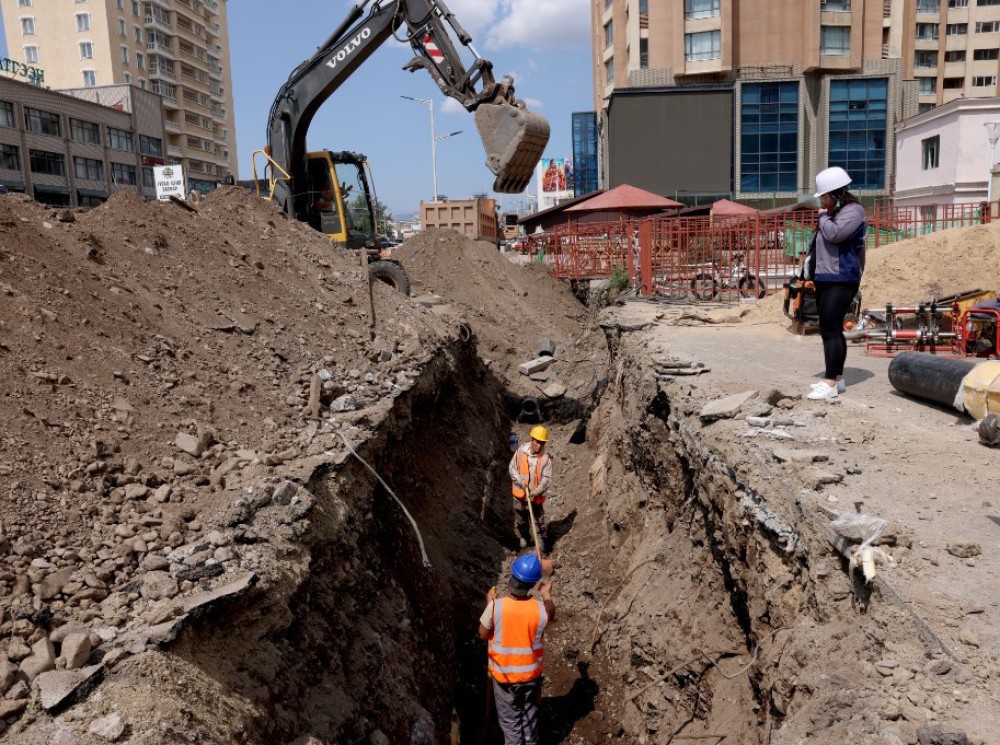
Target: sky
x=542, y=43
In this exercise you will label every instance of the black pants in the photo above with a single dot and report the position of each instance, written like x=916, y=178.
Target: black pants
x=833, y=300
x=522, y=521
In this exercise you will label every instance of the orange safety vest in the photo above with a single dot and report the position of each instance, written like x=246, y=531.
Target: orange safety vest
x=516, y=647
x=524, y=468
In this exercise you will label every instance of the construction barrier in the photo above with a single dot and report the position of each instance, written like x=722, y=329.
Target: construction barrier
x=719, y=258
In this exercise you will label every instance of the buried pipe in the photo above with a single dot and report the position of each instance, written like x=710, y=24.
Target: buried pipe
x=530, y=411
x=962, y=384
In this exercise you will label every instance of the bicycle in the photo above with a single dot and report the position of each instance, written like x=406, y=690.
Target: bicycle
x=706, y=285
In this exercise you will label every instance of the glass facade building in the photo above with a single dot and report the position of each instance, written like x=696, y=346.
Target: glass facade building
x=858, y=129
x=769, y=137
x=584, y=152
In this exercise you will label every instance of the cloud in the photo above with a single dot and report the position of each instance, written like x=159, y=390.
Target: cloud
x=546, y=24
x=451, y=106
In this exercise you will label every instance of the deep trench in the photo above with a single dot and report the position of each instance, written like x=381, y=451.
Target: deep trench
x=366, y=638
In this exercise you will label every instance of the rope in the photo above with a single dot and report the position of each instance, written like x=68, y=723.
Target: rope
x=420, y=539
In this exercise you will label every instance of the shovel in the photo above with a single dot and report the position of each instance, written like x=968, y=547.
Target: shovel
x=547, y=567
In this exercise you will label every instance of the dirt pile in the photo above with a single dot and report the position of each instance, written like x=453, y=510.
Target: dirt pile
x=510, y=309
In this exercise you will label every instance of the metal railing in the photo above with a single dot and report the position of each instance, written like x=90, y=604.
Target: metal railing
x=721, y=258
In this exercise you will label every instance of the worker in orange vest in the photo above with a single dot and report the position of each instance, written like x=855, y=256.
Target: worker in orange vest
x=530, y=471
x=514, y=626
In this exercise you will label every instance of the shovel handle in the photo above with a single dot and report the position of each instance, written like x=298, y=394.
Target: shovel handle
x=534, y=527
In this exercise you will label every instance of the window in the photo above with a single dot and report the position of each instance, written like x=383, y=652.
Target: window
x=142, y=84
x=987, y=2
x=609, y=34
x=643, y=7
x=921, y=108
x=86, y=50
x=81, y=131
x=835, y=40
x=122, y=28
x=27, y=27
x=928, y=86
x=955, y=55
x=987, y=27
x=951, y=84
x=24, y=3
x=120, y=139
x=42, y=122
x=6, y=114
x=838, y=6
x=140, y=60
x=89, y=78
x=858, y=129
x=957, y=29
x=928, y=6
x=10, y=157
x=769, y=137
x=135, y=7
x=925, y=58
x=147, y=177
x=643, y=54
x=704, y=45
x=124, y=55
x=984, y=81
x=151, y=146
x=137, y=31
x=31, y=54
x=122, y=174
x=958, y=3
x=88, y=168
x=121, y=4
x=609, y=72
x=83, y=21
x=986, y=54
x=51, y=164
x=694, y=9
x=927, y=32
x=89, y=200
x=930, y=151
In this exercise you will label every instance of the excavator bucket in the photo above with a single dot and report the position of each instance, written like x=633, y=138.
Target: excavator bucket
x=514, y=139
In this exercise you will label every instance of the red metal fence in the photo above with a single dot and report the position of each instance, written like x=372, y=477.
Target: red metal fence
x=726, y=259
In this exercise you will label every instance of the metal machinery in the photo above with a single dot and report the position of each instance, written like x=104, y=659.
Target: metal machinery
x=799, y=304
x=949, y=325
x=332, y=191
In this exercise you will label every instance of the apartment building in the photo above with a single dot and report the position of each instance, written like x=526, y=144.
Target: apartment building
x=749, y=97
x=177, y=49
x=64, y=151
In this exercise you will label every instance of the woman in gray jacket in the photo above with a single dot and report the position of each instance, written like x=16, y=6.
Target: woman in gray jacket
x=839, y=261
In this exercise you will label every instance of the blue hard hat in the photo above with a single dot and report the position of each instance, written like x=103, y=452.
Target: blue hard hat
x=527, y=569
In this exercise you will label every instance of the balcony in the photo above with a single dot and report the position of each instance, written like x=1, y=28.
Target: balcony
x=160, y=47
x=159, y=20
x=162, y=70
x=172, y=126
x=162, y=3
x=212, y=5
x=174, y=152
x=214, y=29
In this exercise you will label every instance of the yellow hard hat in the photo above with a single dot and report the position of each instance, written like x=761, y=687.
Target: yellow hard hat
x=540, y=433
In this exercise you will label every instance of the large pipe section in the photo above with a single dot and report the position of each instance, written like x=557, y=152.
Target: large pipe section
x=969, y=386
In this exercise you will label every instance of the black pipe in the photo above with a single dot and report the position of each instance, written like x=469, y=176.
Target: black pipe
x=932, y=378
x=530, y=411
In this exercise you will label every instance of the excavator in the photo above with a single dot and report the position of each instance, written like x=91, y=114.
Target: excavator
x=333, y=191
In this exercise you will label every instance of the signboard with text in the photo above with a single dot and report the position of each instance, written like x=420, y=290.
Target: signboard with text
x=170, y=182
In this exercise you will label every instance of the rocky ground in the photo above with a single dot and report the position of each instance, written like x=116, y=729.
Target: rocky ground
x=197, y=403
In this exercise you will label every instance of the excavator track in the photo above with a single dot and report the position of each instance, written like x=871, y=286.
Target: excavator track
x=514, y=139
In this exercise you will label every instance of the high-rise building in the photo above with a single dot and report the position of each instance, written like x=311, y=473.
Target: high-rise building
x=765, y=94
x=178, y=49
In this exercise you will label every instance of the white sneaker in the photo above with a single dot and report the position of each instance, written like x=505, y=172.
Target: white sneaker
x=841, y=385
x=821, y=391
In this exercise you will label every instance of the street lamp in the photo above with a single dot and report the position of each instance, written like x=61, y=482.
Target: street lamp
x=993, y=133
x=434, y=139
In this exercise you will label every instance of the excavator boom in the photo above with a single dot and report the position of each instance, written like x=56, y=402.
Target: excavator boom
x=513, y=137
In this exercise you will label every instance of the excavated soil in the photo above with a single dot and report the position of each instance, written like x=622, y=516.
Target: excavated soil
x=238, y=509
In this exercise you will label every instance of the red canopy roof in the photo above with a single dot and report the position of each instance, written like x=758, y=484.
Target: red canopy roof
x=622, y=198
x=725, y=208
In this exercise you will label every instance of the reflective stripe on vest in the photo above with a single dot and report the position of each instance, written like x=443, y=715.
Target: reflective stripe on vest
x=524, y=468
x=516, y=647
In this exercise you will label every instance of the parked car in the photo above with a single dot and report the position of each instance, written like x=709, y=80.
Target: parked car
x=520, y=245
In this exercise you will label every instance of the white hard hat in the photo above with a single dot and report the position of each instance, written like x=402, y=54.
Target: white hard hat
x=831, y=179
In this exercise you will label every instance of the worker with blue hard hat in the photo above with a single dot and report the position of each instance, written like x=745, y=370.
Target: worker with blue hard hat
x=514, y=627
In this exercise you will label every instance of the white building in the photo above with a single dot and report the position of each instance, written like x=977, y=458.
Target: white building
x=944, y=154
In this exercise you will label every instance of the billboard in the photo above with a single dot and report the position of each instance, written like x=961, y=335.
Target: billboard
x=557, y=175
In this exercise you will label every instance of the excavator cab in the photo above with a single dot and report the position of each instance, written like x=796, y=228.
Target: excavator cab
x=340, y=201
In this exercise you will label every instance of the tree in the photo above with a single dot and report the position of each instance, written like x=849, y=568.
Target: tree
x=359, y=215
